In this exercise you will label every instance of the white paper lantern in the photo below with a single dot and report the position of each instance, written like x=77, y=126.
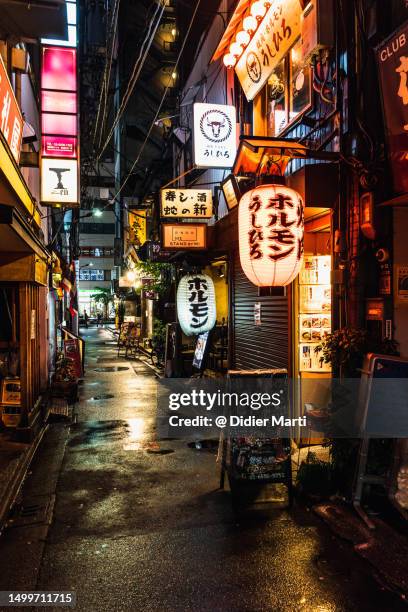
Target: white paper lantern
x=258, y=10
x=243, y=38
x=236, y=49
x=196, y=304
x=271, y=228
x=229, y=60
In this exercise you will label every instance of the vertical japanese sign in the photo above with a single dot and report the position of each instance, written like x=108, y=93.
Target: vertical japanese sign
x=392, y=59
x=274, y=37
x=59, y=126
x=196, y=304
x=137, y=227
x=215, y=141
x=11, y=120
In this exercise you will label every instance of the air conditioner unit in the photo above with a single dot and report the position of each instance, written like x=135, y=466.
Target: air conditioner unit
x=317, y=27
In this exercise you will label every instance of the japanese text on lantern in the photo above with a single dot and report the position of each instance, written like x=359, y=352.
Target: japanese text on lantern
x=11, y=120
x=283, y=216
x=188, y=203
x=198, y=302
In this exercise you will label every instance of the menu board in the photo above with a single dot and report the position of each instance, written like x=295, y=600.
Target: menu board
x=314, y=311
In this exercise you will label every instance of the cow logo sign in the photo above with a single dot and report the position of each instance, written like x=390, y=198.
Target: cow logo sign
x=254, y=68
x=215, y=125
x=215, y=140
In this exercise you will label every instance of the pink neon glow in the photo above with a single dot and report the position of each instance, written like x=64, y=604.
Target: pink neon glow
x=58, y=102
x=59, y=69
x=58, y=146
x=66, y=125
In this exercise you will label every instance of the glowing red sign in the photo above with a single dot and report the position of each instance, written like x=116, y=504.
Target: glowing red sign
x=59, y=146
x=59, y=69
x=59, y=126
x=11, y=120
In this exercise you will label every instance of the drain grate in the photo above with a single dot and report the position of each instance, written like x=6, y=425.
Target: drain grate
x=102, y=396
x=32, y=511
x=111, y=369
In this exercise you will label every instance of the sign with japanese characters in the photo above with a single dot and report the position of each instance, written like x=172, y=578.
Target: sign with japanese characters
x=59, y=181
x=184, y=236
x=196, y=309
x=278, y=31
x=59, y=125
x=271, y=227
x=215, y=140
x=11, y=120
x=192, y=203
x=137, y=227
x=392, y=59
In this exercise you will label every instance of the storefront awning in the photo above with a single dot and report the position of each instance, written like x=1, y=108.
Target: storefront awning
x=16, y=236
x=35, y=19
x=236, y=20
x=13, y=188
x=401, y=200
x=258, y=155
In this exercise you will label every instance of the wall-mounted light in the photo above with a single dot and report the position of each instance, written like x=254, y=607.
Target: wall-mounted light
x=97, y=212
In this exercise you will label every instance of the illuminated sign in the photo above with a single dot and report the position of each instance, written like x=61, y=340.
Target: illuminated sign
x=271, y=227
x=11, y=120
x=184, y=236
x=59, y=181
x=277, y=32
x=215, y=140
x=193, y=203
x=196, y=309
x=59, y=126
x=137, y=227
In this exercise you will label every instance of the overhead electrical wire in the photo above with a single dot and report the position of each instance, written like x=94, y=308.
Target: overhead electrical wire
x=160, y=105
x=105, y=82
x=138, y=65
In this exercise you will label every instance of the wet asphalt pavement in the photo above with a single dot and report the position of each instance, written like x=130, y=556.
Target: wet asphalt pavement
x=133, y=523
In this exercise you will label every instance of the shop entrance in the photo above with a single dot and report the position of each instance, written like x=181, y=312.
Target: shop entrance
x=312, y=320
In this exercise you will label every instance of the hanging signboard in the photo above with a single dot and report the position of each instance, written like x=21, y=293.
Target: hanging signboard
x=215, y=141
x=59, y=181
x=59, y=126
x=137, y=227
x=184, y=236
x=11, y=120
x=392, y=59
x=278, y=31
x=187, y=203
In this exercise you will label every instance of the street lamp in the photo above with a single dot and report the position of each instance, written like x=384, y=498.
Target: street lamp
x=97, y=212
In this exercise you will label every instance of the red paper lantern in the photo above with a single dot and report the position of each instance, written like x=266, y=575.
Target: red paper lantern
x=271, y=228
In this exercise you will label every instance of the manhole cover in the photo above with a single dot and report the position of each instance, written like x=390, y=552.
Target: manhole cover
x=111, y=369
x=103, y=396
x=160, y=451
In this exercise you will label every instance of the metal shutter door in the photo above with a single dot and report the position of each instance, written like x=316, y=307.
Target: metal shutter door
x=264, y=346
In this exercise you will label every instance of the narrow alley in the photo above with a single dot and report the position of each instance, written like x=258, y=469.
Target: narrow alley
x=130, y=522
